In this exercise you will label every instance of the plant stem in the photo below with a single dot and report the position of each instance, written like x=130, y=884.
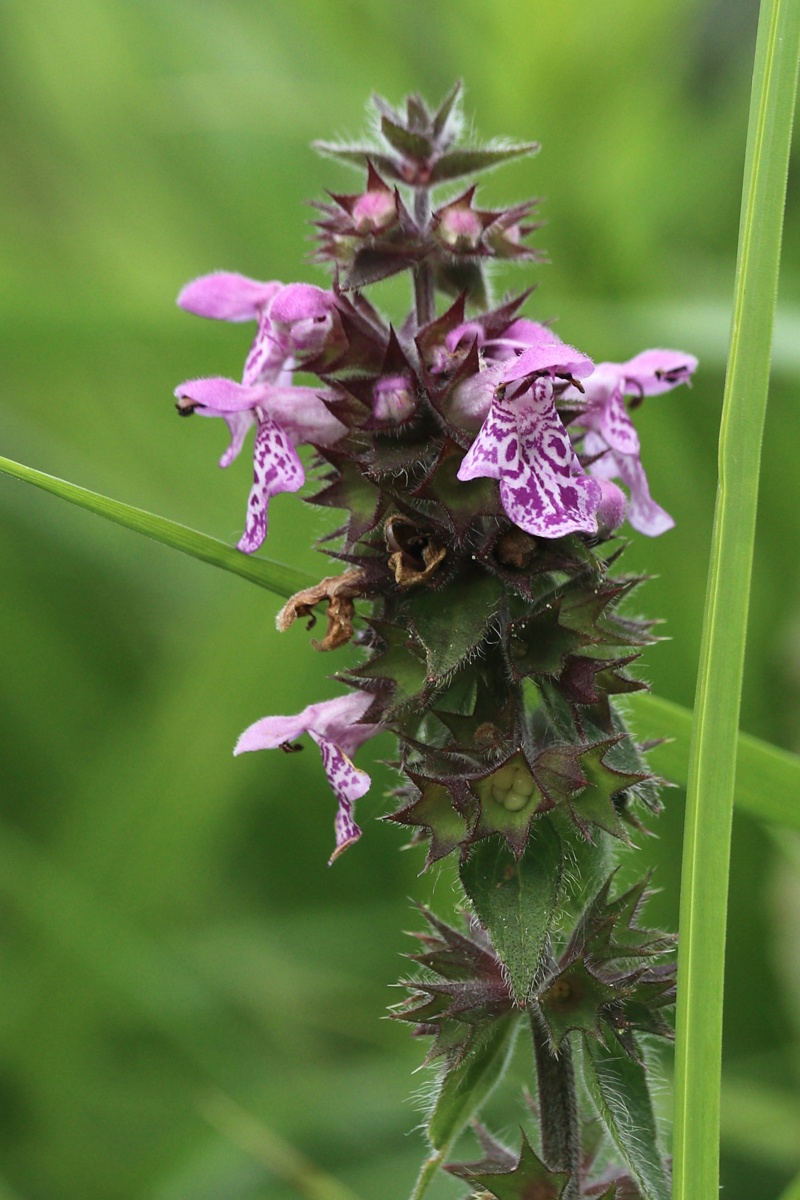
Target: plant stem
x=428, y=1172
x=558, y=1108
x=423, y=273
x=706, y=858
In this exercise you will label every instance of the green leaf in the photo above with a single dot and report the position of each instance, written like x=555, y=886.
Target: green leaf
x=516, y=900
x=433, y=811
x=528, y=1178
x=399, y=662
x=767, y=778
x=275, y=577
x=482, y=158
x=465, y=1088
x=405, y=141
x=793, y=1190
x=461, y=500
x=707, y=839
x=359, y=156
x=463, y=275
x=449, y=105
x=452, y=622
x=618, y=1086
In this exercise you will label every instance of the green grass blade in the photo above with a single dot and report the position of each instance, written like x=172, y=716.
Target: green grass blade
x=767, y=779
x=713, y=755
x=793, y=1190
x=275, y=577
x=265, y=1146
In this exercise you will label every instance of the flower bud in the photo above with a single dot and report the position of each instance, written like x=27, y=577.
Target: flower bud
x=305, y=320
x=393, y=399
x=611, y=511
x=460, y=228
x=375, y=211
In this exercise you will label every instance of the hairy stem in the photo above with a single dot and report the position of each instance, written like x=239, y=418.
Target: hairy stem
x=428, y=1172
x=558, y=1108
x=423, y=274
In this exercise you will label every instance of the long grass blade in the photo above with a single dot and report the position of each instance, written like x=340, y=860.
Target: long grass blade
x=275, y=577
x=713, y=756
x=267, y=1147
x=767, y=778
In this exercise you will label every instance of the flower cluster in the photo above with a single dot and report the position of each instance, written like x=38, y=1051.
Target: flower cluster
x=484, y=466
x=502, y=396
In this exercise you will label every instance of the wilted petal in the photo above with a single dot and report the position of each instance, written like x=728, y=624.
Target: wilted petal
x=276, y=468
x=226, y=296
x=542, y=486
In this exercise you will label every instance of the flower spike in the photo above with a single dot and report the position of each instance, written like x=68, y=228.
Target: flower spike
x=475, y=457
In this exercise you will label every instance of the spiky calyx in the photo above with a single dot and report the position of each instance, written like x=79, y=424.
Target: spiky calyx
x=465, y=987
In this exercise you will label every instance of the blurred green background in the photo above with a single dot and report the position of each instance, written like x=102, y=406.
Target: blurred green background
x=184, y=982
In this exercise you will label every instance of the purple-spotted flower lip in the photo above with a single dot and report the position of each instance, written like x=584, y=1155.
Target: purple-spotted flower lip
x=611, y=440
x=524, y=445
x=338, y=729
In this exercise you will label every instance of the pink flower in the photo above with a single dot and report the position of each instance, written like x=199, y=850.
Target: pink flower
x=523, y=444
x=294, y=323
x=610, y=433
x=335, y=725
x=284, y=416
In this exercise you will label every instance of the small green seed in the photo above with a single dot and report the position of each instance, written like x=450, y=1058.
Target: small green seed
x=515, y=801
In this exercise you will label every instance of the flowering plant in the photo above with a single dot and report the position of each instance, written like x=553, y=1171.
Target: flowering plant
x=473, y=453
